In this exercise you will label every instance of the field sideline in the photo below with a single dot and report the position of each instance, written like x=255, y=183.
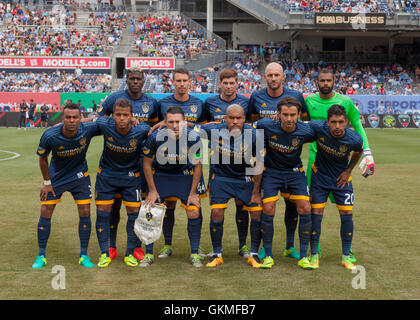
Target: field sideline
x=386, y=215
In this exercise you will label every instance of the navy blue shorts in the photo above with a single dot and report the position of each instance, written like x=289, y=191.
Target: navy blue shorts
x=80, y=189
x=44, y=117
x=322, y=186
x=222, y=189
x=291, y=185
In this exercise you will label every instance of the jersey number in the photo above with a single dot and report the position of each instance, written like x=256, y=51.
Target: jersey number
x=349, y=198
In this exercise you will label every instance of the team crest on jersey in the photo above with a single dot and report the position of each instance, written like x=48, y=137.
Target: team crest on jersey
x=145, y=108
x=343, y=148
x=404, y=119
x=193, y=108
x=82, y=141
x=146, y=150
x=295, y=142
x=416, y=120
x=149, y=216
x=373, y=120
x=133, y=142
x=389, y=121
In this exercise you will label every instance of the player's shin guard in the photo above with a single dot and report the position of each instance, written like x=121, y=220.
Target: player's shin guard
x=216, y=234
x=102, y=230
x=305, y=228
x=242, y=223
x=316, y=232
x=114, y=220
x=168, y=226
x=267, y=232
x=44, y=229
x=291, y=221
x=194, y=234
x=131, y=236
x=255, y=230
x=85, y=227
x=346, y=232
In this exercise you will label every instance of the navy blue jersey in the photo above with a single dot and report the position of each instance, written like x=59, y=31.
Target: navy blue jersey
x=144, y=109
x=263, y=105
x=232, y=156
x=332, y=157
x=215, y=107
x=121, y=154
x=193, y=108
x=283, y=149
x=170, y=155
x=68, y=161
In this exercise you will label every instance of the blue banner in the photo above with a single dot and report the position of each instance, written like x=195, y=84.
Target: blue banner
x=383, y=104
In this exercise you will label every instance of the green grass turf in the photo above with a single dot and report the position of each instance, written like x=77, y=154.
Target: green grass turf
x=386, y=216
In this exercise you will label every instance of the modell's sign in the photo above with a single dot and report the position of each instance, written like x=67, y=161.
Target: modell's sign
x=54, y=62
x=151, y=63
x=350, y=20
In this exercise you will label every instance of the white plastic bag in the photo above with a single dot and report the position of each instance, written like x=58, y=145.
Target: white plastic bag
x=148, y=225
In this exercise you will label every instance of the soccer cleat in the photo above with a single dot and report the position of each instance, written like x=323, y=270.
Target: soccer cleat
x=147, y=261
x=113, y=253
x=346, y=263
x=40, y=261
x=352, y=257
x=267, y=263
x=165, y=252
x=261, y=253
x=138, y=253
x=319, y=249
x=314, y=261
x=291, y=253
x=254, y=261
x=195, y=260
x=304, y=263
x=215, y=261
x=85, y=262
x=244, y=251
x=131, y=261
x=201, y=252
x=104, y=261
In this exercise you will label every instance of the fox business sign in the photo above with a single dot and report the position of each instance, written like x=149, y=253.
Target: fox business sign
x=350, y=20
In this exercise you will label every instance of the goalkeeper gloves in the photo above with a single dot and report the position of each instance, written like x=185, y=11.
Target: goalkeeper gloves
x=367, y=164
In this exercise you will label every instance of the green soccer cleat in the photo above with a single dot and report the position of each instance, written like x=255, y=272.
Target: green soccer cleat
x=165, y=252
x=346, y=263
x=131, y=261
x=291, y=253
x=267, y=263
x=104, y=261
x=195, y=260
x=147, y=261
x=40, y=261
x=352, y=257
x=304, y=263
x=319, y=249
x=314, y=261
x=261, y=253
x=85, y=262
x=244, y=251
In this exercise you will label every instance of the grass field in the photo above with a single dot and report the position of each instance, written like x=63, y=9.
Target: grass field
x=387, y=224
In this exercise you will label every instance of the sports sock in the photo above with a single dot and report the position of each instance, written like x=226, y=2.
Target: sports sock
x=114, y=220
x=242, y=223
x=255, y=230
x=346, y=232
x=44, y=229
x=291, y=221
x=305, y=228
x=267, y=228
x=316, y=232
x=216, y=234
x=102, y=230
x=168, y=226
x=131, y=236
x=85, y=227
x=149, y=248
x=194, y=234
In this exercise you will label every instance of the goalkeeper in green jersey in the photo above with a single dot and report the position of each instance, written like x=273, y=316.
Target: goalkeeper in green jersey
x=318, y=105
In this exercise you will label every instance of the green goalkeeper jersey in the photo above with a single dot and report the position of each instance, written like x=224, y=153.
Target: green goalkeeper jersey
x=317, y=109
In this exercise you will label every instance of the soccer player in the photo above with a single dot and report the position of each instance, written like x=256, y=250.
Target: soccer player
x=173, y=169
x=215, y=109
x=331, y=173
x=23, y=109
x=67, y=171
x=144, y=111
x=194, y=113
x=263, y=103
x=31, y=113
x=233, y=147
x=284, y=172
x=318, y=105
x=44, y=115
x=119, y=172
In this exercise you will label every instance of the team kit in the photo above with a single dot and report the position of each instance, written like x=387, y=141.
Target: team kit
x=154, y=154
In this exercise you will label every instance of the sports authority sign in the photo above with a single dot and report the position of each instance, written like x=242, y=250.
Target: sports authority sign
x=151, y=63
x=92, y=63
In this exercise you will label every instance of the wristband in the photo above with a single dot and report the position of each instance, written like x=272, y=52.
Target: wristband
x=47, y=182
